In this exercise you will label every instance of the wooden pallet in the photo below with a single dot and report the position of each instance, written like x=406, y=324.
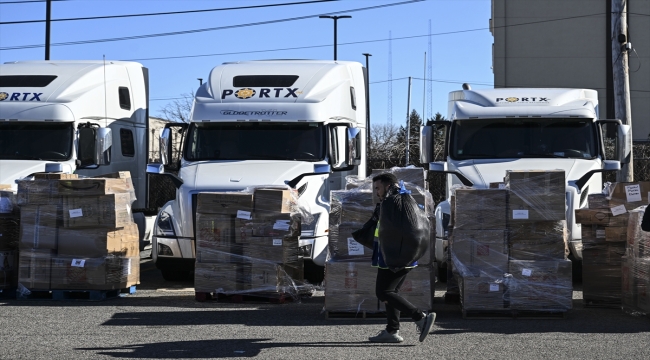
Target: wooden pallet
x=261, y=297
x=514, y=314
x=76, y=295
x=607, y=304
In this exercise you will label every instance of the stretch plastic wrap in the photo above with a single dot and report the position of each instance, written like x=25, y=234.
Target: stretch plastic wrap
x=636, y=266
x=8, y=269
x=540, y=285
x=248, y=242
x=350, y=286
x=418, y=288
x=349, y=210
x=536, y=195
x=601, y=269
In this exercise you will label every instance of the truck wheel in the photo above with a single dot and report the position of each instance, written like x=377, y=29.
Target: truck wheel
x=313, y=273
x=174, y=275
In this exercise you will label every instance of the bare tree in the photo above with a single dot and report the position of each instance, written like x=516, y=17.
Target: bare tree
x=178, y=110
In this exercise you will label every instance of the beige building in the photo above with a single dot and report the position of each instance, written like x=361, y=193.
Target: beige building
x=566, y=43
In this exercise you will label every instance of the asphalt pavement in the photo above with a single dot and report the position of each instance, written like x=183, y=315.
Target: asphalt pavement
x=163, y=320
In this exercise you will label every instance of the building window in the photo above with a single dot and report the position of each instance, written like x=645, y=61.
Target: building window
x=126, y=140
x=125, y=98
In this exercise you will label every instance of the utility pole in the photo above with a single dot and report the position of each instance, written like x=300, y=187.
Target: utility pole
x=335, y=18
x=367, y=99
x=622, y=106
x=424, y=92
x=48, y=18
x=408, y=125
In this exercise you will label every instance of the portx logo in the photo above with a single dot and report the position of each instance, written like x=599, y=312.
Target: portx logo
x=247, y=93
x=524, y=99
x=28, y=96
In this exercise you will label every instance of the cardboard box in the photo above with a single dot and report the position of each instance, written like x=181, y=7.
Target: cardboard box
x=610, y=254
x=538, y=250
x=213, y=253
x=99, y=242
x=343, y=246
x=593, y=234
x=601, y=283
x=39, y=226
x=616, y=234
x=351, y=207
x=541, y=285
x=272, y=201
x=530, y=183
x=482, y=293
x=223, y=229
x=108, y=211
x=94, y=186
x=542, y=231
x=275, y=226
x=597, y=201
x=224, y=203
x=9, y=233
x=350, y=286
x=261, y=277
x=34, y=269
x=480, y=252
x=38, y=192
x=414, y=175
x=104, y=273
x=416, y=288
x=638, y=241
x=282, y=250
x=528, y=208
x=631, y=195
x=55, y=176
x=480, y=209
x=603, y=217
x=217, y=278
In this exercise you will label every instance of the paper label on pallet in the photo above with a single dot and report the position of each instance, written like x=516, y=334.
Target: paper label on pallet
x=281, y=225
x=241, y=214
x=78, y=262
x=494, y=287
x=354, y=248
x=619, y=210
x=526, y=272
x=502, y=186
x=600, y=234
x=520, y=214
x=633, y=193
x=277, y=242
x=76, y=213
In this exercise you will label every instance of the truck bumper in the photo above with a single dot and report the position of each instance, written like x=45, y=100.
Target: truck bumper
x=172, y=248
x=314, y=249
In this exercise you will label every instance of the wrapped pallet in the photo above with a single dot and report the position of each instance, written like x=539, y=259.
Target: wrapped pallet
x=248, y=242
x=350, y=286
x=635, y=269
x=540, y=285
x=536, y=195
x=77, y=233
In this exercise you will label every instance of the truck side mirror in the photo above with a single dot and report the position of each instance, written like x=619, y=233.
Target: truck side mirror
x=623, y=144
x=426, y=144
x=103, y=143
x=164, y=146
x=353, y=139
x=338, y=147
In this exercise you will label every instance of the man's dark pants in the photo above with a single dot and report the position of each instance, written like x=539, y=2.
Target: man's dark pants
x=386, y=288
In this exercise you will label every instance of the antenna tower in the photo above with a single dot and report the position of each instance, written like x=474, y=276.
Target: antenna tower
x=390, y=78
x=429, y=77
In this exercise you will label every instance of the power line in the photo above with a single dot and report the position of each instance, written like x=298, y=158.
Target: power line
x=165, y=13
x=82, y=42
x=26, y=1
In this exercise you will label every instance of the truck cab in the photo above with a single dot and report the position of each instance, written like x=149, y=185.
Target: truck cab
x=488, y=132
x=291, y=123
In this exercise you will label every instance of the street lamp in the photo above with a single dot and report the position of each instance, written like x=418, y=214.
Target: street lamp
x=335, y=18
x=367, y=99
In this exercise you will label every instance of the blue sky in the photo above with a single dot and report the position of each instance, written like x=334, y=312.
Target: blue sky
x=460, y=41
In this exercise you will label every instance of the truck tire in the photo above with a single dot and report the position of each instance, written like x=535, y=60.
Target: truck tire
x=313, y=273
x=442, y=273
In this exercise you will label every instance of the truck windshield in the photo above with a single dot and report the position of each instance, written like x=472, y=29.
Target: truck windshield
x=521, y=138
x=35, y=141
x=255, y=141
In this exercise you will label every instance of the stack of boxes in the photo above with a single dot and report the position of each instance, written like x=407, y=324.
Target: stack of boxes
x=9, y=230
x=604, y=237
x=349, y=276
x=78, y=233
x=248, y=242
x=478, y=247
x=635, y=268
x=508, y=245
x=541, y=276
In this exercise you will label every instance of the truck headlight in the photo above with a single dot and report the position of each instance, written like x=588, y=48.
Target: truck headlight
x=164, y=225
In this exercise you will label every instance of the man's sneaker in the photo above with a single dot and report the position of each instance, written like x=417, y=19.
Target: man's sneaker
x=424, y=325
x=386, y=337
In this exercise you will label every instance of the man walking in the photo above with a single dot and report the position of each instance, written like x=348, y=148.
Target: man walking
x=389, y=282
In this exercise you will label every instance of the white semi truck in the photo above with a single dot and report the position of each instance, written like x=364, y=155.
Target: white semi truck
x=299, y=123
x=83, y=117
x=490, y=131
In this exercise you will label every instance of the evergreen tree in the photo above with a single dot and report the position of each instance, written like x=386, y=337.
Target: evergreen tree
x=415, y=122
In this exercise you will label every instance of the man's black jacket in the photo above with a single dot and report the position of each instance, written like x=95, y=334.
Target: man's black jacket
x=645, y=224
